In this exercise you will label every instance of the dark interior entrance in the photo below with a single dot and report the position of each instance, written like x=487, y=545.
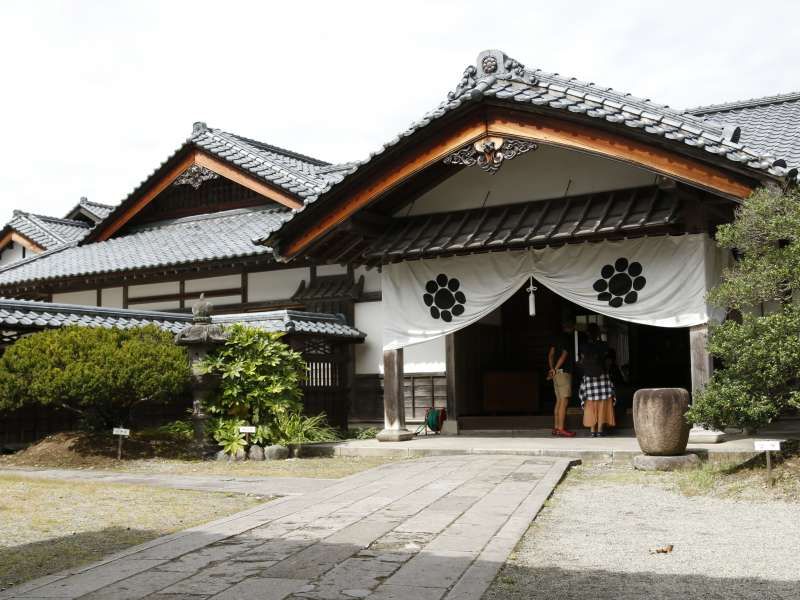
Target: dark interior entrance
x=501, y=362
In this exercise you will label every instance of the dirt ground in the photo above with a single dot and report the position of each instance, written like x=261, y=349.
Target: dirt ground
x=49, y=526
x=612, y=533
x=71, y=450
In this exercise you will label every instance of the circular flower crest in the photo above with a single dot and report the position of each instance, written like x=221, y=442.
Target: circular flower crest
x=444, y=298
x=489, y=64
x=620, y=282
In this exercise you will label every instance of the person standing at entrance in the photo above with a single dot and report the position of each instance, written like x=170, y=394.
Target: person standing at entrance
x=560, y=363
x=597, y=393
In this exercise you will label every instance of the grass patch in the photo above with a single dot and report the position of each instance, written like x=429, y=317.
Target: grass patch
x=49, y=526
x=161, y=452
x=723, y=480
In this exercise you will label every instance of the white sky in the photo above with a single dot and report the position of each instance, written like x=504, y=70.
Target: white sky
x=95, y=95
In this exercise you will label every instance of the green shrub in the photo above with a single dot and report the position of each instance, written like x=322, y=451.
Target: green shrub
x=760, y=357
x=226, y=433
x=177, y=430
x=260, y=382
x=100, y=374
x=295, y=428
x=362, y=433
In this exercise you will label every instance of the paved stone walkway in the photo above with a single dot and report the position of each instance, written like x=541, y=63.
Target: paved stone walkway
x=259, y=486
x=438, y=527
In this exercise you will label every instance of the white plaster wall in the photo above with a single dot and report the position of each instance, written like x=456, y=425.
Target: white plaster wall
x=153, y=289
x=111, y=297
x=220, y=300
x=548, y=172
x=165, y=306
x=11, y=254
x=323, y=270
x=369, y=354
x=274, y=285
x=428, y=357
x=372, y=278
x=84, y=297
x=207, y=284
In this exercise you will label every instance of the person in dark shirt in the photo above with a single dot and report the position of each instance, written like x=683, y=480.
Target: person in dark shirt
x=560, y=364
x=597, y=393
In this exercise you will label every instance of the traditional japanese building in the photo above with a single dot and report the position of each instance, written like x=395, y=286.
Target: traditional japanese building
x=524, y=200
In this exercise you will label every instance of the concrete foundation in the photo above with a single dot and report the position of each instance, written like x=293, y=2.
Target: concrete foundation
x=644, y=462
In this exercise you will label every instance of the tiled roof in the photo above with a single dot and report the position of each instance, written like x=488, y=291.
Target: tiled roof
x=47, y=232
x=328, y=287
x=94, y=210
x=498, y=77
x=770, y=124
x=298, y=174
x=29, y=314
x=214, y=236
x=295, y=321
x=636, y=211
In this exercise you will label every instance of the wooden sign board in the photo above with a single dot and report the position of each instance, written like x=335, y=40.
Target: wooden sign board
x=247, y=429
x=121, y=431
x=767, y=445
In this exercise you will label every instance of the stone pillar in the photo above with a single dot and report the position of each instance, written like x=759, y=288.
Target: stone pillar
x=201, y=337
x=394, y=410
x=702, y=366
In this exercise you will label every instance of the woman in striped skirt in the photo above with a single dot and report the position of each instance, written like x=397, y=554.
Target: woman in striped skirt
x=596, y=392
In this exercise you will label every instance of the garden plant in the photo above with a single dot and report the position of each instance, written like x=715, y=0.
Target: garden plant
x=758, y=346
x=100, y=374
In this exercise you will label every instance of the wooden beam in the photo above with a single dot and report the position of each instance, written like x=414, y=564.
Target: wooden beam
x=13, y=236
x=212, y=164
x=542, y=129
x=575, y=136
x=146, y=198
x=225, y=170
x=421, y=158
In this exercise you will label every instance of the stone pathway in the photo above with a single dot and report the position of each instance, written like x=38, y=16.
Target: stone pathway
x=259, y=486
x=438, y=527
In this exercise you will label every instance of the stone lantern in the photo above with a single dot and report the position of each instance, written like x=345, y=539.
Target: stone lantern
x=200, y=338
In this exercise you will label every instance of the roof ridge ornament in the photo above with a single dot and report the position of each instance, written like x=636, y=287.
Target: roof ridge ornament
x=195, y=176
x=492, y=64
x=489, y=153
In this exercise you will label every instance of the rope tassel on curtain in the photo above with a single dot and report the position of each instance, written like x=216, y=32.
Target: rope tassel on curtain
x=531, y=298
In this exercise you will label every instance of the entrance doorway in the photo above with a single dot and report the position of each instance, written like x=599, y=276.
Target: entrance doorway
x=500, y=362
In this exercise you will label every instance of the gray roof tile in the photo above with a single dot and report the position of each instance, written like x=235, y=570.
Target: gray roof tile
x=540, y=88
x=32, y=314
x=769, y=125
x=214, y=236
x=47, y=232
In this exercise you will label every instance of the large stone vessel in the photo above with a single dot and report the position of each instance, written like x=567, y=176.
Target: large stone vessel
x=658, y=417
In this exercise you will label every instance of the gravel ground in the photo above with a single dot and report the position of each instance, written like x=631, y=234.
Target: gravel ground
x=595, y=540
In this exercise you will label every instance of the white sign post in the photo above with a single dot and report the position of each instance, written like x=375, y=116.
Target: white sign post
x=121, y=432
x=768, y=446
x=247, y=430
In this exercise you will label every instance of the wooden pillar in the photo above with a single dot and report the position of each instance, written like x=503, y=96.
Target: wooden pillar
x=450, y=426
x=394, y=410
x=700, y=358
x=702, y=366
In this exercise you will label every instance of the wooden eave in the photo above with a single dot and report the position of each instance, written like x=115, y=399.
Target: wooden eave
x=8, y=236
x=188, y=156
x=432, y=144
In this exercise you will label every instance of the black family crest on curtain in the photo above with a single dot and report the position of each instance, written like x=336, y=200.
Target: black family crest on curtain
x=620, y=282
x=444, y=298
